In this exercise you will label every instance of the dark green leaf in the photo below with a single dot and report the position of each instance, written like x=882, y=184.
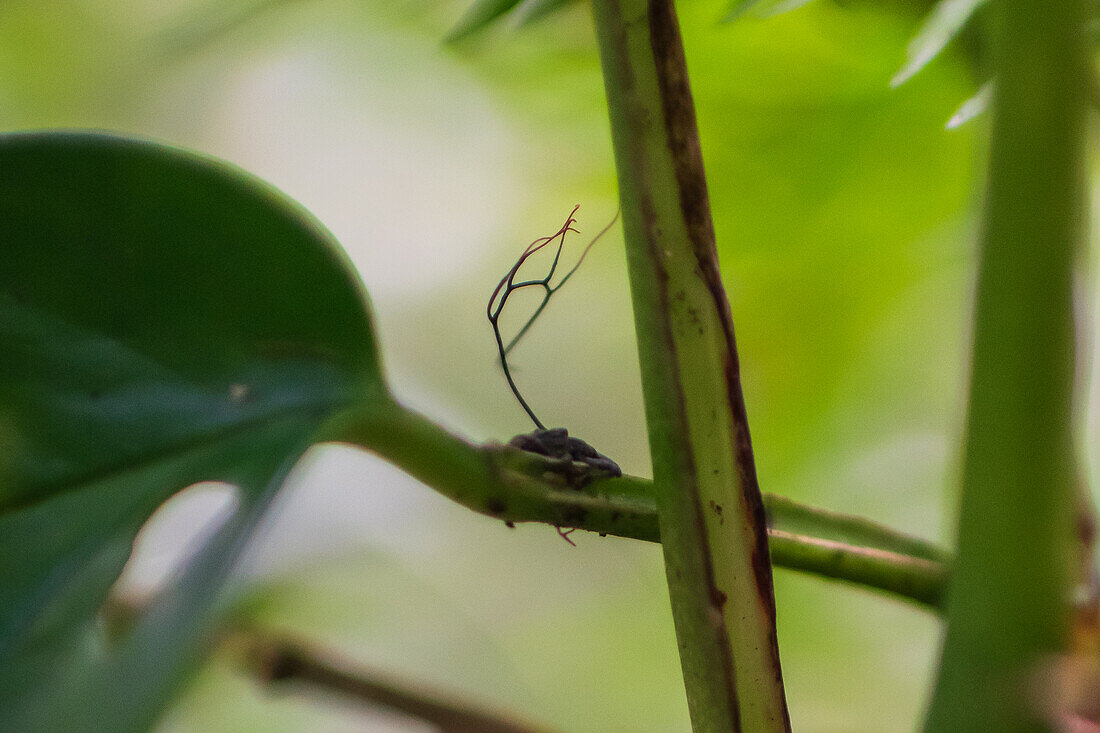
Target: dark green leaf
x=128, y=686
x=164, y=319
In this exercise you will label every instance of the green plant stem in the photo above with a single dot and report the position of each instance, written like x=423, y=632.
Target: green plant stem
x=515, y=486
x=709, y=507
x=801, y=519
x=1008, y=601
x=916, y=578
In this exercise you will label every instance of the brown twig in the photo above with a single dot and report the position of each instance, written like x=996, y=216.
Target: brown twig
x=282, y=662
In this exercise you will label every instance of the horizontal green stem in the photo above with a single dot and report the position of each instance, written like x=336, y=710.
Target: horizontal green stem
x=846, y=529
x=515, y=486
x=916, y=578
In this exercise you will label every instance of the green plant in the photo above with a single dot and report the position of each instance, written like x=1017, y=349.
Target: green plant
x=168, y=320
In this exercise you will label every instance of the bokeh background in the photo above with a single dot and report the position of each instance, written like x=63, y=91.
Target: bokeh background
x=846, y=214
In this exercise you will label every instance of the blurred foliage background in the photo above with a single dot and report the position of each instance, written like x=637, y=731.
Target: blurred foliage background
x=845, y=216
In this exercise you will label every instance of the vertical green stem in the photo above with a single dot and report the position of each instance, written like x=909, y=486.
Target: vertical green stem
x=708, y=503
x=1008, y=598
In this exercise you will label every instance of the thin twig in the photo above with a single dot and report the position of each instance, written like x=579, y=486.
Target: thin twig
x=281, y=661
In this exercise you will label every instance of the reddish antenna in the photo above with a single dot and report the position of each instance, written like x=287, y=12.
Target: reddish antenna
x=508, y=285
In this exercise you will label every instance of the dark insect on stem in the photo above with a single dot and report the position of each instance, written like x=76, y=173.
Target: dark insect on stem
x=508, y=285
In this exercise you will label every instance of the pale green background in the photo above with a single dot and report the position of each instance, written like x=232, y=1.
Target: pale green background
x=845, y=214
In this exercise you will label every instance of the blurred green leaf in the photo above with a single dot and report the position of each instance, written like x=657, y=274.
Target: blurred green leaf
x=484, y=13
x=165, y=320
x=741, y=8
x=534, y=10
x=480, y=15
x=130, y=684
x=942, y=25
x=972, y=107
x=199, y=26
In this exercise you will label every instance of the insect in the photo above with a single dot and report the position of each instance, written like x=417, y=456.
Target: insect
x=554, y=442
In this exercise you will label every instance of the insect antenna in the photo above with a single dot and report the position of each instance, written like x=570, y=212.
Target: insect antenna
x=551, y=290
x=508, y=285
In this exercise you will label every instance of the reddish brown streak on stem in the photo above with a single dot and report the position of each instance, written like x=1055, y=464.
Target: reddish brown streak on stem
x=659, y=14
x=683, y=140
